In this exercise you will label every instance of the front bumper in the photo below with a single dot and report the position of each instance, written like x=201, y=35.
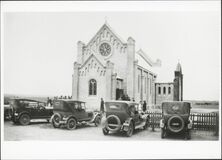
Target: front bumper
x=123, y=127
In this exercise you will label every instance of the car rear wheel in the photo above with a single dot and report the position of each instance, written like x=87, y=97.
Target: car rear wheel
x=105, y=131
x=163, y=133
x=71, y=124
x=97, y=120
x=187, y=135
x=24, y=119
x=146, y=124
x=129, y=133
x=55, y=121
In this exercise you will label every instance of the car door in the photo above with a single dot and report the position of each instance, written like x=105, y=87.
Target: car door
x=43, y=112
x=32, y=108
x=135, y=116
x=81, y=113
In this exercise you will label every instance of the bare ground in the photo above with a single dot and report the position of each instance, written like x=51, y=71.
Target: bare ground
x=40, y=130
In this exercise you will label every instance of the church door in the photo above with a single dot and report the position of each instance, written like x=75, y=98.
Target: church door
x=119, y=93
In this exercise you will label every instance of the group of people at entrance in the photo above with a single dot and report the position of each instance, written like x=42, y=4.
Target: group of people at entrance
x=141, y=108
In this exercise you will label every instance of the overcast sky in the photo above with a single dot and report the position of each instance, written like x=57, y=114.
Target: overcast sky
x=40, y=47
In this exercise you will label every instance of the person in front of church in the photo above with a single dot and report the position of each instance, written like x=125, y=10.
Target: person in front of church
x=140, y=109
x=144, y=106
x=102, y=106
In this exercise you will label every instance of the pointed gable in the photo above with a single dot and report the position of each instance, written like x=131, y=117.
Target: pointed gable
x=105, y=31
x=104, y=34
x=92, y=63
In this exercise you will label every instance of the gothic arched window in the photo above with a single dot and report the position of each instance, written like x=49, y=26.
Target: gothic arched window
x=159, y=90
x=92, y=87
x=164, y=90
x=169, y=90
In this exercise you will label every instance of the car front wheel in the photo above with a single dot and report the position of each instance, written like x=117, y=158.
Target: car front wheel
x=147, y=124
x=163, y=133
x=129, y=133
x=105, y=131
x=71, y=124
x=97, y=121
x=55, y=121
x=24, y=119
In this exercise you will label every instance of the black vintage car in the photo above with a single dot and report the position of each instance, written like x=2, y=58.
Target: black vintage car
x=176, y=118
x=7, y=112
x=70, y=113
x=123, y=116
x=23, y=110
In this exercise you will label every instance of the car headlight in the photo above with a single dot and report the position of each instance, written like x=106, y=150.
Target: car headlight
x=190, y=124
x=161, y=123
x=16, y=114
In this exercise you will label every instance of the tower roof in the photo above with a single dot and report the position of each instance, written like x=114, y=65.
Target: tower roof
x=179, y=68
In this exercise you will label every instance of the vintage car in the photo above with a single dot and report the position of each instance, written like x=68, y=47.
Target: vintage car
x=7, y=112
x=23, y=110
x=123, y=116
x=176, y=118
x=70, y=113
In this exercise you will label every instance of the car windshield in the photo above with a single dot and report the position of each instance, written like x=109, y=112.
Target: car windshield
x=171, y=108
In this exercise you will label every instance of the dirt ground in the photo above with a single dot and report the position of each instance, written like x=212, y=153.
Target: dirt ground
x=41, y=130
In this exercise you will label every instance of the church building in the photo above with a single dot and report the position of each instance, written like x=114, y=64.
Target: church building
x=108, y=67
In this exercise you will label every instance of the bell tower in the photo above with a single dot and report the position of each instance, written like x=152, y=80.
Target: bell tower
x=178, y=84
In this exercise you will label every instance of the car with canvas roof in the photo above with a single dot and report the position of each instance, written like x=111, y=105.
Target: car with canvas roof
x=124, y=116
x=176, y=118
x=70, y=113
x=24, y=110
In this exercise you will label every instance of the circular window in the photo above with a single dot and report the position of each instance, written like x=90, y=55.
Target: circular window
x=105, y=49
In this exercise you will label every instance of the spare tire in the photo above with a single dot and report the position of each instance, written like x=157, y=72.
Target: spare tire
x=113, y=123
x=175, y=123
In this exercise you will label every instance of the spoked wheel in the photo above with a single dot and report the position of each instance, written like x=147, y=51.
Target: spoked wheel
x=147, y=124
x=105, y=131
x=129, y=133
x=163, y=133
x=55, y=121
x=71, y=124
x=14, y=121
x=24, y=119
x=97, y=120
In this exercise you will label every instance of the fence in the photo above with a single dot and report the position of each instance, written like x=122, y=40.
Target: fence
x=205, y=121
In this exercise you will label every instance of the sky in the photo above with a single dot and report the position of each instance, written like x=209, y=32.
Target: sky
x=39, y=48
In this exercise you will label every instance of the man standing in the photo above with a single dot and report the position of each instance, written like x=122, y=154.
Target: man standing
x=144, y=106
x=102, y=106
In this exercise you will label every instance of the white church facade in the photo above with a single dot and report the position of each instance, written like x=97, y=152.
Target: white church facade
x=108, y=67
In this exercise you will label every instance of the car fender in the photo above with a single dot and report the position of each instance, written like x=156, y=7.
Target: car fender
x=96, y=114
x=70, y=116
x=52, y=117
x=24, y=112
x=146, y=116
x=128, y=121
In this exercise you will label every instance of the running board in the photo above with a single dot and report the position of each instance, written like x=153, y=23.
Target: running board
x=140, y=125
